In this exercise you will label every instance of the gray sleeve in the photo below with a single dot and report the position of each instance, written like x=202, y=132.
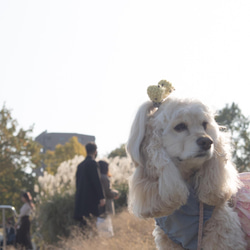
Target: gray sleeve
x=109, y=193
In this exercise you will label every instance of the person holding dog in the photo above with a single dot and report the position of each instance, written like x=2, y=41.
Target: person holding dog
x=89, y=195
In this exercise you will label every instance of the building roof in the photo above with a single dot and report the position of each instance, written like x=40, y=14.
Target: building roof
x=50, y=140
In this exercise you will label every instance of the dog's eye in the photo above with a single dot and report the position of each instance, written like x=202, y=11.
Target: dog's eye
x=180, y=127
x=204, y=124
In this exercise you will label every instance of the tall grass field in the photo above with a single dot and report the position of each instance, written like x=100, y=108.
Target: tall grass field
x=54, y=227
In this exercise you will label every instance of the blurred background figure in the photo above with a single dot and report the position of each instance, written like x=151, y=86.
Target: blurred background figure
x=10, y=232
x=23, y=239
x=89, y=194
x=104, y=222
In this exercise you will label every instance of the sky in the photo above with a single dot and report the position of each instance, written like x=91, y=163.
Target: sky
x=84, y=66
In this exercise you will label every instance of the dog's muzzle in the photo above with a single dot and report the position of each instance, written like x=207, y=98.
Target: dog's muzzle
x=204, y=143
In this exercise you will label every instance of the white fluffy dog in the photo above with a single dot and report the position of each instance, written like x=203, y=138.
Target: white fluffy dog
x=183, y=157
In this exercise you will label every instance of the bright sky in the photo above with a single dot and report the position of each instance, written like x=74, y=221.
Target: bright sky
x=84, y=66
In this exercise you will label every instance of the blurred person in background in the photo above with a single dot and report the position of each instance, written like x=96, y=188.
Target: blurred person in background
x=10, y=232
x=104, y=222
x=89, y=195
x=23, y=239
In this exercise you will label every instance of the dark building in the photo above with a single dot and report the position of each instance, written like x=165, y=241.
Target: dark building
x=50, y=140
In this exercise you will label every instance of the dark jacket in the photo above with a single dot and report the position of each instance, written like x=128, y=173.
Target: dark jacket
x=88, y=189
x=109, y=193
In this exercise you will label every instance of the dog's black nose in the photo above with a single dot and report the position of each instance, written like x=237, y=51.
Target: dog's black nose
x=204, y=143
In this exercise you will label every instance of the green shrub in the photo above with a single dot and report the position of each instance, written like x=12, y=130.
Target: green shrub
x=123, y=198
x=55, y=216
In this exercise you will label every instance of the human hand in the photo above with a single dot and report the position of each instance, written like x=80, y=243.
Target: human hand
x=117, y=197
x=102, y=202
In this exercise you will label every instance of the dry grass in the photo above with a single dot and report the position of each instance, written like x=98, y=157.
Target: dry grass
x=130, y=233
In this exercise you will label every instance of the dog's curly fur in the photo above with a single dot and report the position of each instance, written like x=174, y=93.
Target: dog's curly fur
x=177, y=145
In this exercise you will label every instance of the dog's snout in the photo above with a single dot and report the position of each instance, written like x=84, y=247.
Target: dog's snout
x=204, y=143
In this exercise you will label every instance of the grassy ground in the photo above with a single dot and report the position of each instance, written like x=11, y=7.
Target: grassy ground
x=130, y=233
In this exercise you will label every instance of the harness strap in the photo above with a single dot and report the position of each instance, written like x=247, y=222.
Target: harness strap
x=200, y=226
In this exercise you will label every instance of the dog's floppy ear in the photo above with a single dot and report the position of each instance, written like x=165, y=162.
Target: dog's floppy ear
x=143, y=197
x=172, y=189
x=137, y=132
x=156, y=187
x=218, y=179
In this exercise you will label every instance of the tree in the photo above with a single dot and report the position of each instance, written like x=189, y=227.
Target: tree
x=52, y=159
x=18, y=152
x=238, y=125
x=121, y=152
